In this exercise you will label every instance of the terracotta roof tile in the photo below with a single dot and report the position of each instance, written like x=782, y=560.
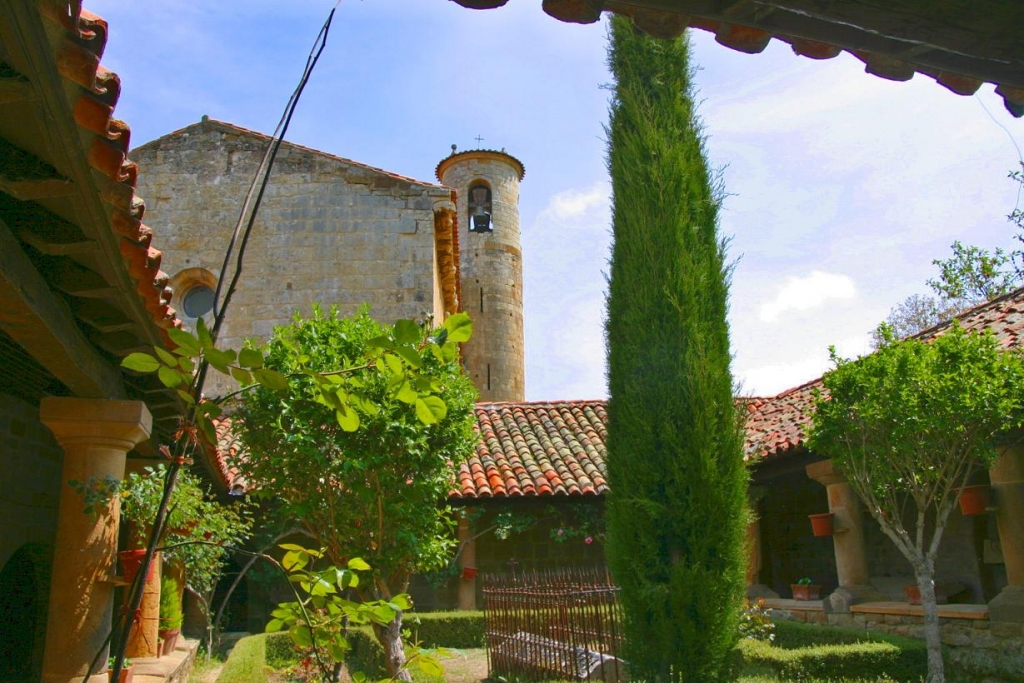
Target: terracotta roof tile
x=93, y=98
x=533, y=449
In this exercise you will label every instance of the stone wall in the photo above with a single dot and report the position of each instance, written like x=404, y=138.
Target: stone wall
x=30, y=460
x=329, y=230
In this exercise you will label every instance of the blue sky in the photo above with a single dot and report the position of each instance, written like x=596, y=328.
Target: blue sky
x=842, y=187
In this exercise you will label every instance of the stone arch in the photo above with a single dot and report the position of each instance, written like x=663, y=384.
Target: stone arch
x=24, y=599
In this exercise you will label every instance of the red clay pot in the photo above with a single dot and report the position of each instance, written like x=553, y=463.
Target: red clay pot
x=131, y=560
x=973, y=500
x=805, y=592
x=822, y=524
x=469, y=573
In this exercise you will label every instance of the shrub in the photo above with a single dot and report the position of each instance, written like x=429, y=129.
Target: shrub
x=447, y=629
x=171, y=617
x=756, y=622
x=801, y=651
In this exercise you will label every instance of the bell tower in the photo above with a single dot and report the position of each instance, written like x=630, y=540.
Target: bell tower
x=486, y=183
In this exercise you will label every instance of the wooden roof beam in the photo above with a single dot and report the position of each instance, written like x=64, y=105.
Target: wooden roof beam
x=42, y=324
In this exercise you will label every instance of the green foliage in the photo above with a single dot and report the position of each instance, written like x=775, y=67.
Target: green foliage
x=676, y=514
x=813, y=651
x=448, y=629
x=907, y=426
x=376, y=491
x=909, y=423
x=756, y=621
x=805, y=581
x=867, y=659
x=171, y=616
x=245, y=664
x=973, y=275
x=318, y=623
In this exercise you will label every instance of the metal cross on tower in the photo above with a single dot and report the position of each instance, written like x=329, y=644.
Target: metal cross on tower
x=479, y=140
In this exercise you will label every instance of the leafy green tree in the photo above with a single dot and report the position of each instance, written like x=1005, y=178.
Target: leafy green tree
x=676, y=514
x=973, y=275
x=969, y=277
x=365, y=469
x=907, y=426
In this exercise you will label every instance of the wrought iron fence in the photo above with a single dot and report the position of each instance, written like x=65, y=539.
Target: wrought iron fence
x=554, y=625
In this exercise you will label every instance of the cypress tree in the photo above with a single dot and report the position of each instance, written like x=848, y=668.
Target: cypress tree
x=676, y=515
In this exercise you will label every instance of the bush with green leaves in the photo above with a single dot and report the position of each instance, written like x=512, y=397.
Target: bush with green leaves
x=676, y=513
x=318, y=622
x=364, y=468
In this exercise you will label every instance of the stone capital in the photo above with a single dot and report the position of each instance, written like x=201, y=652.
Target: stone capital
x=83, y=421
x=824, y=473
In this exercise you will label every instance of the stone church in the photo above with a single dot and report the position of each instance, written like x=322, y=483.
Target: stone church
x=338, y=232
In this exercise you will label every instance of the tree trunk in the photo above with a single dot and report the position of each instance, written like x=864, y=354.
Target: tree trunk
x=390, y=638
x=932, y=636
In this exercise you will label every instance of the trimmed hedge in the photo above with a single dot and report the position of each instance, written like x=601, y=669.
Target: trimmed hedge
x=812, y=651
x=447, y=629
x=245, y=663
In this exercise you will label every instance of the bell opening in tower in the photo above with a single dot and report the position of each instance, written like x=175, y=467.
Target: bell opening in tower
x=480, y=208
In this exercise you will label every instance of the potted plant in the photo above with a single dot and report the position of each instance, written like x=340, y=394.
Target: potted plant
x=171, y=616
x=126, y=671
x=805, y=589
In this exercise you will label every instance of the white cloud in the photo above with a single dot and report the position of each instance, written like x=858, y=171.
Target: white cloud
x=575, y=203
x=808, y=292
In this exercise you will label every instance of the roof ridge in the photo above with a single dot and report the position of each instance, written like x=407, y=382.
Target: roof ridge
x=311, y=150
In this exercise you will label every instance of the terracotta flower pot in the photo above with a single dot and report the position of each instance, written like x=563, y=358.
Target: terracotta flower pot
x=805, y=591
x=822, y=524
x=131, y=560
x=170, y=640
x=125, y=677
x=469, y=573
x=913, y=594
x=973, y=500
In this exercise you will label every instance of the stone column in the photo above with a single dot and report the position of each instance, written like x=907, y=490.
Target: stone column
x=755, y=589
x=467, y=558
x=1007, y=477
x=850, y=550
x=95, y=436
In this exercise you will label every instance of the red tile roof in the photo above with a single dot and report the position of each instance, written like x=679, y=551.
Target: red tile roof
x=536, y=449
x=94, y=92
x=558, y=448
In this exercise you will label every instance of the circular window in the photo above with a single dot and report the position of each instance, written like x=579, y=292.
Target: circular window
x=198, y=301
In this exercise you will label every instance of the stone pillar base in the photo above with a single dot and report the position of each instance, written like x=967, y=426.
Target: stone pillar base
x=1008, y=605
x=759, y=590
x=842, y=598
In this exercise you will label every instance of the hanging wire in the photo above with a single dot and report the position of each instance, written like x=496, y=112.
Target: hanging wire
x=241, y=235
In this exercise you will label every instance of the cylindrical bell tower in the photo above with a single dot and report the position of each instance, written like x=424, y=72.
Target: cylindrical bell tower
x=487, y=187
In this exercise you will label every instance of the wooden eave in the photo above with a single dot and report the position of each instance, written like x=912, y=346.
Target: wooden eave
x=80, y=285
x=959, y=43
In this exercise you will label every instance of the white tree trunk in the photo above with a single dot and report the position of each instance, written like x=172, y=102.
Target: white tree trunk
x=390, y=638
x=924, y=572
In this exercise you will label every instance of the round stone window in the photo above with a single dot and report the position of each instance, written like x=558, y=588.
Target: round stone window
x=198, y=301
